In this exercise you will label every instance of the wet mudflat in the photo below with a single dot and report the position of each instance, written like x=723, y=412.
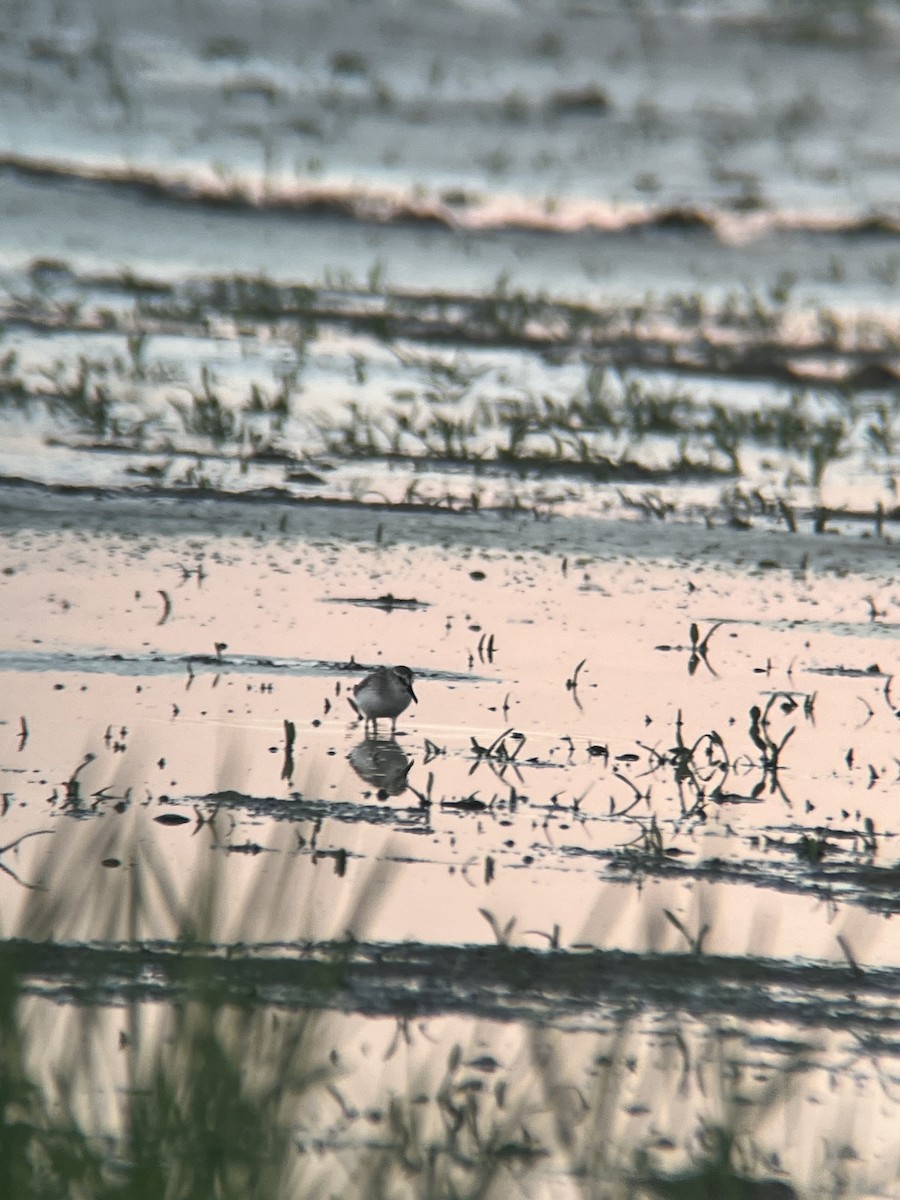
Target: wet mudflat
x=643, y=809
x=328, y=344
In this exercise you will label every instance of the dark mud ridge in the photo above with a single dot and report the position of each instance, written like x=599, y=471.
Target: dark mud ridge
x=496, y=982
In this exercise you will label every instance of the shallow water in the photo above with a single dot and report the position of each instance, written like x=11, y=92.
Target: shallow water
x=156, y=752
x=549, y=351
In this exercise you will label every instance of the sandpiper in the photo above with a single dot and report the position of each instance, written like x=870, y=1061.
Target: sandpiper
x=385, y=693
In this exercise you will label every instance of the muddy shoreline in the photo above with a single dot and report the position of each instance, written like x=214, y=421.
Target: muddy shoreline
x=276, y=518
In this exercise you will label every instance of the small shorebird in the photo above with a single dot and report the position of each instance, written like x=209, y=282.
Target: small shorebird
x=385, y=693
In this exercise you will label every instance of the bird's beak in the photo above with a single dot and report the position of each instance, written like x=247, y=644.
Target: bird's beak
x=413, y=694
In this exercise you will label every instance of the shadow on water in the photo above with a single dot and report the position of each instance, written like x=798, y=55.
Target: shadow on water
x=148, y=1051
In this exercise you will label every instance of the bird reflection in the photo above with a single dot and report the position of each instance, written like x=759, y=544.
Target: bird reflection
x=381, y=762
